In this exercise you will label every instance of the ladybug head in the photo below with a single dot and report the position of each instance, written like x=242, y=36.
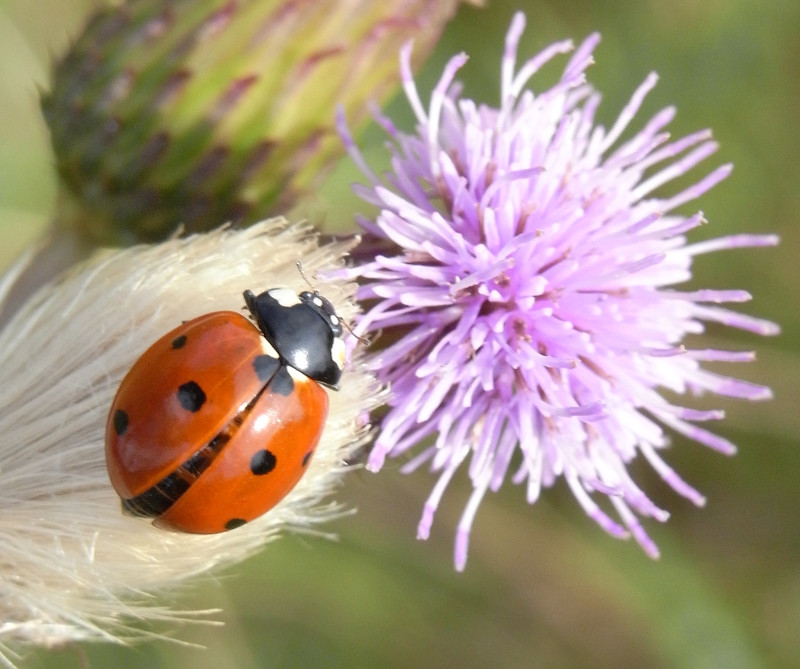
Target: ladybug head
x=304, y=329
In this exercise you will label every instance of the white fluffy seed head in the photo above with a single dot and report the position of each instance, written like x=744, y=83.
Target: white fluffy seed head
x=73, y=566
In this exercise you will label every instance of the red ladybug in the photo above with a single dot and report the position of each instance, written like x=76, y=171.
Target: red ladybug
x=218, y=420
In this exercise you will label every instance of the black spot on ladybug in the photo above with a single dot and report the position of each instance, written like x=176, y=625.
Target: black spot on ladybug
x=282, y=383
x=265, y=367
x=233, y=523
x=179, y=342
x=263, y=462
x=120, y=422
x=307, y=457
x=191, y=396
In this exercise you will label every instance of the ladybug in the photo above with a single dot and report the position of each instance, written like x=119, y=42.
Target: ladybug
x=217, y=421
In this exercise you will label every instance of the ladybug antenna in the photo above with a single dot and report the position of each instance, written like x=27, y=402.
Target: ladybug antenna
x=303, y=274
x=364, y=341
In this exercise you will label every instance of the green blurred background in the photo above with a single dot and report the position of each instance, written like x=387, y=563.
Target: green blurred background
x=543, y=587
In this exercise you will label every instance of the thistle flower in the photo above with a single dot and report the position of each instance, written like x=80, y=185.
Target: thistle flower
x=197, y=112
x=74, y=567
x=526, y=267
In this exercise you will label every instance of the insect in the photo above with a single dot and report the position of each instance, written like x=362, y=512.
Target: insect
x=217, y=421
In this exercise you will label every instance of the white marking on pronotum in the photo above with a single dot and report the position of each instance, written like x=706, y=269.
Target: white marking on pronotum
x=338, y=352
x=286, y=297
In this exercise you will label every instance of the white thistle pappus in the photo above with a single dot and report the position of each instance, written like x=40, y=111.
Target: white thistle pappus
x=73, y=566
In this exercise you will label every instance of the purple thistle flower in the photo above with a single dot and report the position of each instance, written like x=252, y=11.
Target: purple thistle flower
x=529, y=269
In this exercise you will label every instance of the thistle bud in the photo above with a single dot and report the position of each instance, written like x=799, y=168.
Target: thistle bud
x=198, y=112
